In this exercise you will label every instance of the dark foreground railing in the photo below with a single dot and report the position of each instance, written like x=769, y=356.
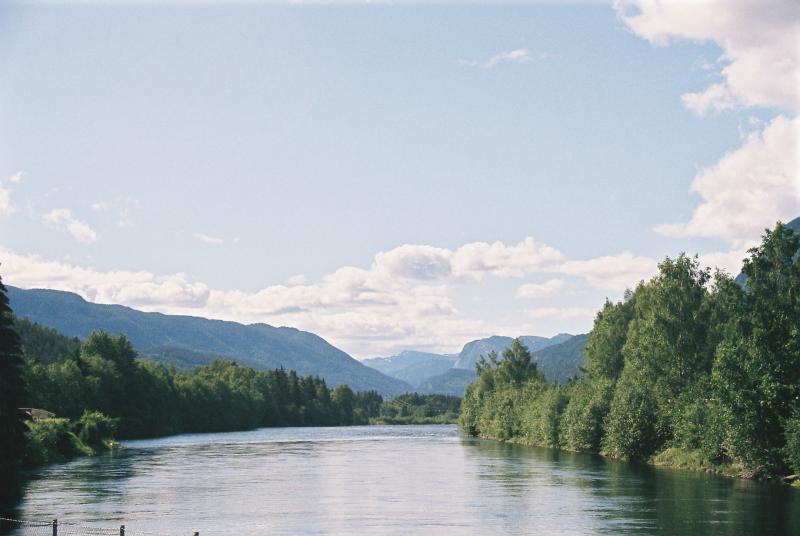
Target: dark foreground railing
x=19, y=527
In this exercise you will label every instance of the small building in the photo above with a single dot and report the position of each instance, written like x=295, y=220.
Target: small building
x=36, y=414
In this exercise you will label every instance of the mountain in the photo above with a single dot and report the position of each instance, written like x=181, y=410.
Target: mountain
x=412, y=367
x=559, y=358
x=560, y=362
x=473, y=351
x=192, y=341
x=452, y=382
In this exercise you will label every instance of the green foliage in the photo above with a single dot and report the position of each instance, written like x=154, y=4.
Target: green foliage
x=687, y=370
x=633, y=428
x=541, y=415
x=13, y=393
x=52, y=440
x=583, y=418
x=414, y=408
x=603, y=354
x=94, y=428
x=517, y=366
x=44, y=345
x=146, y=399
x=791, y=451
x=757, y=369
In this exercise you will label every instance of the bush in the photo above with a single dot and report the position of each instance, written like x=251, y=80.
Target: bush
x=93, y=428
x=791, y=452
x=582, y=420
x=52, y=440
x=632, y=425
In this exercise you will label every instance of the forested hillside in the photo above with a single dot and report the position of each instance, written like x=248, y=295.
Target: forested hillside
x=690, y=369
x=193, y=341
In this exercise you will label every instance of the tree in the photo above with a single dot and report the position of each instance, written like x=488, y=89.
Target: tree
x=517, y=365
x=757, y=367
x=13, y=394
x=603, y=352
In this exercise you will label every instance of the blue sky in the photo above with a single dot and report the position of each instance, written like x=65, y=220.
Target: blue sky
x=372, y=173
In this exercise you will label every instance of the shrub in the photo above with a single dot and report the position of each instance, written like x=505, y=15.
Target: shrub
x=52, y=440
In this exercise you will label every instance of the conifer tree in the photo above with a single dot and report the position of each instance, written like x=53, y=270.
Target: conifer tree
x=12, y=390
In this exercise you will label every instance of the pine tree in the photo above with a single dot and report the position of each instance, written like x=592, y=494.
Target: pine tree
x=12, y=390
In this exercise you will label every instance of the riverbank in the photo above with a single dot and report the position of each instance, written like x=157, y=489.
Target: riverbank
x=672, y=458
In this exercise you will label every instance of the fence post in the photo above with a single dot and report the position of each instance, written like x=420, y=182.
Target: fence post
x=55, y=527
x=122, y=530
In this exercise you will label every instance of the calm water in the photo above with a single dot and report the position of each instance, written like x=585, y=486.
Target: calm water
x=392, y=480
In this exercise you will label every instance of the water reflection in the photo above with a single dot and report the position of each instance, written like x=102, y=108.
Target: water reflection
x=393, y=480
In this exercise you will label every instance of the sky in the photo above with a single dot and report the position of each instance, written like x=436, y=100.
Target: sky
x=390, y=176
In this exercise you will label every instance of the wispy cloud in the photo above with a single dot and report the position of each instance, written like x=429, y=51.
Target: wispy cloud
x=16, y=177
x=63, y=218
x=213, y=240
x=520, y=55
x=6, y=206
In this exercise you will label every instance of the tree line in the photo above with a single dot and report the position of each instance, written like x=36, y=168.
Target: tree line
x=690, y=369
x=99, y=389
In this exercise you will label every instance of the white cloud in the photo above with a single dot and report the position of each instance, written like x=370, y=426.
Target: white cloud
x=6, y=206
x=16, y=178
x=715, y=97
x=760, y=64
x=612, y=272
x=749, y=189
x=295, y=280
x=535, y=291
x=563, y=313
x=213, y=240
x=519, y=55
x=115, y=286
x=402, y=300
x=471, y=261
x=80, y=230
x=758, y=183
x=477, y=259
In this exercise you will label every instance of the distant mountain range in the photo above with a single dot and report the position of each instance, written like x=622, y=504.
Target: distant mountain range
x=191, y=341
x=412, y=367
x=558, y=357
x=473, y=351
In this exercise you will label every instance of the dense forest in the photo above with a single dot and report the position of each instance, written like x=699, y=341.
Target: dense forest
x=690, y=369
x=99, y=388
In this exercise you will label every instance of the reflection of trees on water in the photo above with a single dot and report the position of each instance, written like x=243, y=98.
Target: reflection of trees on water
x=636, y=498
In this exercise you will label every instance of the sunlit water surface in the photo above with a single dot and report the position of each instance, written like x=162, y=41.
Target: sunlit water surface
x=392, y=480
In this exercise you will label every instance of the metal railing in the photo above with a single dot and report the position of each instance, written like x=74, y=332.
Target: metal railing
x=20, y=527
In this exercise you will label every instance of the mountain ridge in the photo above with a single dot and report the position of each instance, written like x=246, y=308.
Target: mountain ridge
x=257, y=345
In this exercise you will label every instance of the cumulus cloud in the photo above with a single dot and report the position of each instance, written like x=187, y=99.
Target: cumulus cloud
x=758, y=183
x=207, y=239
x=402, y=299
x=760, y=64
x=298, y=279
x=116, y=286
x=536, y=291
x=749, y=188
x=16, y=177
x=471, y=261
x=63, y=218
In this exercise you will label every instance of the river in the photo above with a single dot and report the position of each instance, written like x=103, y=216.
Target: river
x=391, y=480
